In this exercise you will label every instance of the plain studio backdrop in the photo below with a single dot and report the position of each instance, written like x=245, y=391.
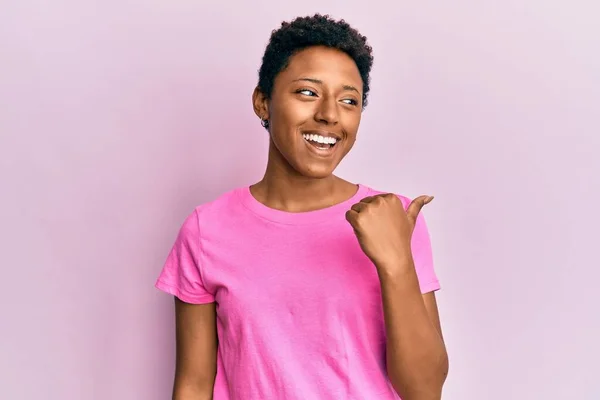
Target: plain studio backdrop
x=118, y=117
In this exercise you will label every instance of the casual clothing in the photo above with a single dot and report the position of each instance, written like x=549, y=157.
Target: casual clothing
x=299, y=308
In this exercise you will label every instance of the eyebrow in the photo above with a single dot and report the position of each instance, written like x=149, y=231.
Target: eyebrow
x=320, y=82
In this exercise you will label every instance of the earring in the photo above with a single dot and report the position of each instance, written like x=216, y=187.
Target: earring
x=265, y=123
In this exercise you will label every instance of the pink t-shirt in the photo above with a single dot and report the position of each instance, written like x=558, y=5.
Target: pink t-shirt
x=299, y=308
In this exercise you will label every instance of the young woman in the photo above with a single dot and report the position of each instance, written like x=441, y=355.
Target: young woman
x=306, y=286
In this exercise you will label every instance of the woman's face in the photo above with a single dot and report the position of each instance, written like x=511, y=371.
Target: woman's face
x=314, y=111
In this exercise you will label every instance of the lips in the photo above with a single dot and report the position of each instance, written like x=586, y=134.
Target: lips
x=320, y=145
x=320, y=141
x=322, y=133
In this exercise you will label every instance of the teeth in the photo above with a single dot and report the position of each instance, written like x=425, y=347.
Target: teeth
x=320, y=139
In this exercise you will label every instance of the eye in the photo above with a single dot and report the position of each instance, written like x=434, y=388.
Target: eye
x=306, y=92
x=351, y=102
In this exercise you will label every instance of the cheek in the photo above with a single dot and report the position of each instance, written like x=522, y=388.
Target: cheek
x=285, y=119
x=351, y=122
x=349, y=144
x=291, y=112
x=298, y=113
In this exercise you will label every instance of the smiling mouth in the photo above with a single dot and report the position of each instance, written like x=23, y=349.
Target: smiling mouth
x=320, y=142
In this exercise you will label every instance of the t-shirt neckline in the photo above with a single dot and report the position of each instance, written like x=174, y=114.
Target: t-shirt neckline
x=300, y=218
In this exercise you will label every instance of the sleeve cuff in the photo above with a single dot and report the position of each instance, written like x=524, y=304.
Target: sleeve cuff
x=183, y=295
x=430, y=286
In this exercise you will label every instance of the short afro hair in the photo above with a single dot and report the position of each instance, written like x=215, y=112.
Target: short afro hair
x=318, y=30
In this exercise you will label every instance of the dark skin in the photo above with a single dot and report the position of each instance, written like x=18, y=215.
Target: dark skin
x=321, y=91
x=196, y=355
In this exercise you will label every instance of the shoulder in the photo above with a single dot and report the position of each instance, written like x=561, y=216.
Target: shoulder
x=222, y=202
x=224, y=211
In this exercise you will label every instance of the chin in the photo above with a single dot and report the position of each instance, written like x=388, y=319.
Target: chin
x=322, y=175
x=316, y=171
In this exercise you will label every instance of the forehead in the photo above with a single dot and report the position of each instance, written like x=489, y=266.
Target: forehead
x=329, y=65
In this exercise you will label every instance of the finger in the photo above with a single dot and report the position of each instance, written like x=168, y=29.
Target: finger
x=371, y=199
x=358, y=207
x=368, y=199
x=351, y=216
x=415, y=206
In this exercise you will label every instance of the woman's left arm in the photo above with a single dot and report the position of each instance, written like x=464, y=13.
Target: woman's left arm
x=417, y=361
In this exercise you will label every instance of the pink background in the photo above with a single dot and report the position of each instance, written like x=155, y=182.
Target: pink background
x=117, y=117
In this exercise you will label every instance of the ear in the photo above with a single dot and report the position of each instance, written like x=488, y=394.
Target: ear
x=260, y=103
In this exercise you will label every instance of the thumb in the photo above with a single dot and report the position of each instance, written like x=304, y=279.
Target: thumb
x=415, y=206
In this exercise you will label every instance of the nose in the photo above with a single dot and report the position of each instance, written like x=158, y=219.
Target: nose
x=327, y=111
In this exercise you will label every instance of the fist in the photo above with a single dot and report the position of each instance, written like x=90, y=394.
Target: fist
x=384, y=228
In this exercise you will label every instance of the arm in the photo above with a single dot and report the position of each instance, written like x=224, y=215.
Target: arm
x=417, y=362
x=196, y=365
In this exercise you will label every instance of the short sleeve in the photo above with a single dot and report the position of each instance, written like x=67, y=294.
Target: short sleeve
x=423, y=256
x=181, y=275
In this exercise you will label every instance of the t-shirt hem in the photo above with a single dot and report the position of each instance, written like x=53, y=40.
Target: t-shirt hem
x=431, y=286
x=182, y=295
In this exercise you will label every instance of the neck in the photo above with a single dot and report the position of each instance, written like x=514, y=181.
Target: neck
x=283, y=188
